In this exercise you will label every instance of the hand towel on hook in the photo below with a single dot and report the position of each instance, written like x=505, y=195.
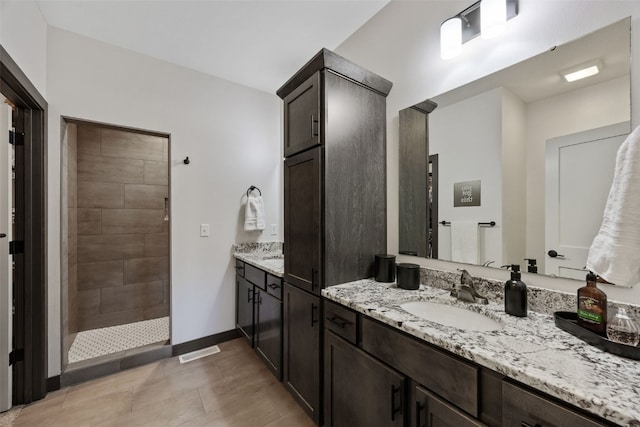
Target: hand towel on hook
x=254, y=213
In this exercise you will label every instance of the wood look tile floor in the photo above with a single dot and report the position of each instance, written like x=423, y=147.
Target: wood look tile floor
x=230, y=388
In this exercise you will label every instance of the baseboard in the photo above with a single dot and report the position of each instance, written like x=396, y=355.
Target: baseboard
x=204, y=342
x=53, y=383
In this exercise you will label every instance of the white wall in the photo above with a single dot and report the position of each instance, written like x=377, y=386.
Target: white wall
x=469, y=151
x=589, y=108
x=23, y=34
x=401, y=43
x=231, y=134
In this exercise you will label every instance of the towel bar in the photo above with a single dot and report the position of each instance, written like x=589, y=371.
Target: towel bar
x=480, y=224
x=253, y=187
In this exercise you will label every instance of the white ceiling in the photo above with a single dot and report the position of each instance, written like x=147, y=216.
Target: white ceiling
x=257, y=43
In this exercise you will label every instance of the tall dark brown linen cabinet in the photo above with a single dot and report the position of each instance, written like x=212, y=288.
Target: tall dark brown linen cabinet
x=334, y=201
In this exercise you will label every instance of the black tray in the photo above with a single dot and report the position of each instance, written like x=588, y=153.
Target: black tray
x=567, y=321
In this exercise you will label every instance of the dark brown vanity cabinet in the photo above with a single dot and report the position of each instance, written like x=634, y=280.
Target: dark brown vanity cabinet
x=259, y=313
x=302, y=116
x=302, y=333
x=334, y=201
x=362, y=391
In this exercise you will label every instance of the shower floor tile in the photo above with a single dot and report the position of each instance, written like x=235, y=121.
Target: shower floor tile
x=103, y=341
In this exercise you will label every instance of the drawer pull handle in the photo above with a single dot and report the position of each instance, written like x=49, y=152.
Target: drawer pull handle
x=338, y=321
x=419, y=408
x=274, y=286
x=249, y=292
x=313, y=310
x=314, y=126
x=395, y=410
x=526, y=424
x=314, y=278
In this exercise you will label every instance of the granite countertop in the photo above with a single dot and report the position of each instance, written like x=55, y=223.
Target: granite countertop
x=531, y=350
x=265, y=256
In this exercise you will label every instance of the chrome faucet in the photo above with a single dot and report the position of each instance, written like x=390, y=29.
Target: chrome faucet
x=465, y=291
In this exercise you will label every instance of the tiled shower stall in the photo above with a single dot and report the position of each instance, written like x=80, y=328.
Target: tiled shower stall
x=117, y=228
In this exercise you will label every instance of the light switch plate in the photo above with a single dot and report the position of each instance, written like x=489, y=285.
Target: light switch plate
x=274, y=229
x=204, y=230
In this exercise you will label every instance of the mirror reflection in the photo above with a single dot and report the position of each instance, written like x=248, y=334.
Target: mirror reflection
x=524, y=149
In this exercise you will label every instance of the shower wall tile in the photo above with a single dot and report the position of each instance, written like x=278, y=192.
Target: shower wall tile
x=160, y=310
x=132, y=221
x=72, y=247
x=89, y=302
x=110, y=169
x=137, y=295
x=156, y=244
x=89, y=137
x=110, y=247
x=121, y=184
x=129, y=145
x=89, y=221
x=156, y=173
x=103, y=274
x=73, y=221
x=100, y=195
x=146, y=269
x=103, y=320
x=138, y=196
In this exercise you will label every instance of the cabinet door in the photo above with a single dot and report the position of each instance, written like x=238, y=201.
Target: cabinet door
x=521, y=408
x=268, y=332
x=245, y=308
x=302, y=117
x=432, y=411
x=302, y=220
x=302, y=348
x=360, y=391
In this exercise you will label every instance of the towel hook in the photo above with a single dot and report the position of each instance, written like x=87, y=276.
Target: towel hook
x=186, y=161
x=253, y=187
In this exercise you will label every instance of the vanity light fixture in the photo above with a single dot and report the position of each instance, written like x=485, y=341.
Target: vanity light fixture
x=451, y=37
x=582, y=71
x=493, y=18
x=488, y=17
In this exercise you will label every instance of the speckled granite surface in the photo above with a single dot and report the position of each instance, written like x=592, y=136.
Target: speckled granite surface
x=266, y=256
x=531, y=350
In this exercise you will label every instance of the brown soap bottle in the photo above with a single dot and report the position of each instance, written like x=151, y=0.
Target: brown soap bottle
x=592, y=306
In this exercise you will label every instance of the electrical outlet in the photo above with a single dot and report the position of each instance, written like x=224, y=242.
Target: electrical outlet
x=204, y=230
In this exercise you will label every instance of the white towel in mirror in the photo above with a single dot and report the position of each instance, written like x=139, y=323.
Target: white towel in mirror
x=615, y=251
x=464, y=241
x=254, y=213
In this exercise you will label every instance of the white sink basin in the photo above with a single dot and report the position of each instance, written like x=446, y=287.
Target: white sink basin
x=450, y=315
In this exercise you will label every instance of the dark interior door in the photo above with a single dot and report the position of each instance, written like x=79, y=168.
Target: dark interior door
x=302, y=220
x=29, y=238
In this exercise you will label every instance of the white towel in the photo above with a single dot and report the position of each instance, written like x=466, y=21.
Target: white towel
x=464, y=241
x=254, y=213
x=615, y=251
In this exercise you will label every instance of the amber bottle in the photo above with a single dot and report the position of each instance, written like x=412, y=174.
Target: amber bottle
x=592, y=306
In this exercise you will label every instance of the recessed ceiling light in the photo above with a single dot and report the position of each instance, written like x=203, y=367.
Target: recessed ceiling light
x=582, y=71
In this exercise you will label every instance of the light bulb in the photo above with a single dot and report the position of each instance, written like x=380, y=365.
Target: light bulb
x=493, y=18
x=451, y=38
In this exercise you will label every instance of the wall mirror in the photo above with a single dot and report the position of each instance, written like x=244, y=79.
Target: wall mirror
x=536, y=150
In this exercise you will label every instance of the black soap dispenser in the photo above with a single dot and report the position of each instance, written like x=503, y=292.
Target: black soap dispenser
x=515, y=294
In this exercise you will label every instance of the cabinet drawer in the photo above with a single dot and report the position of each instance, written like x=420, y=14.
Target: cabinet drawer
x=240, y=268
x=274, y=286
x=341, y=321
x=255, y=276
x=521, y=407
x=449, y=377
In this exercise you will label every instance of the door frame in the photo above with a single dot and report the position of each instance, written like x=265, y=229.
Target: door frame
x=30, y=327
